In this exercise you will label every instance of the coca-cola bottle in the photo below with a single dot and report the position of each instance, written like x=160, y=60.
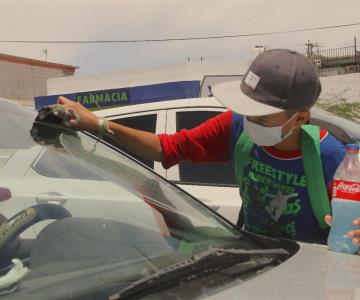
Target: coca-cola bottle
x=345, y=202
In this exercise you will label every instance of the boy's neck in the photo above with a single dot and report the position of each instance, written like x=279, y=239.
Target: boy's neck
x=292, y=143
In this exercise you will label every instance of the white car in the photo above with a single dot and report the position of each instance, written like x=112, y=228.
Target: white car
x=212, y=183
x=140, y=238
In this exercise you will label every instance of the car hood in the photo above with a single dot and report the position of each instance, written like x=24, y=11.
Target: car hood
x=314, y=272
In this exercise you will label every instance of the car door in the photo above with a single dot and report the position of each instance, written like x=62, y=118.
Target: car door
x=151, y=121
x=212, y=183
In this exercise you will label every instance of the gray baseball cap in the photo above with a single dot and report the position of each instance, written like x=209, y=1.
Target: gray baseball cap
x=277, y=80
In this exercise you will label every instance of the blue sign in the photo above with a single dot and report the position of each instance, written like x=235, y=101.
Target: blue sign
x=128, y=96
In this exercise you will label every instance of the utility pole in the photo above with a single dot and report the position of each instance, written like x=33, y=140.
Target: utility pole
x=355, y=56
x=45, y=51
x=355, y=42
x=310, y=47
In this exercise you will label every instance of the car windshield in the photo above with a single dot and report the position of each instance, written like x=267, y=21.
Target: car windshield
x=90, y=212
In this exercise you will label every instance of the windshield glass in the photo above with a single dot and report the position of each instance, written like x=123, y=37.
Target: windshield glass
x=88, y=209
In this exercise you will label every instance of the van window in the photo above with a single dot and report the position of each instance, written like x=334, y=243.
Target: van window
x=144, y=122
x=207, y=173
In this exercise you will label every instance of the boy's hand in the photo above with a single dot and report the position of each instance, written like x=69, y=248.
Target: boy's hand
x=354, y=234
x=88, y=121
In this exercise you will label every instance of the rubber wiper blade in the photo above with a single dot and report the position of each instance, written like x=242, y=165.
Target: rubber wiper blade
x=211, y=260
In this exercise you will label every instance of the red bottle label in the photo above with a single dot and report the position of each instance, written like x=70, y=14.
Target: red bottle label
x=349, y=190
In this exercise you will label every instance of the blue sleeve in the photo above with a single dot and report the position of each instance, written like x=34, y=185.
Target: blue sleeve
x=332, y=153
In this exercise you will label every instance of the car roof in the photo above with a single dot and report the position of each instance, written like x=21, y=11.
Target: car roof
x=332, y=123
x=340, y=127
x=10, y=106
x=170, y=104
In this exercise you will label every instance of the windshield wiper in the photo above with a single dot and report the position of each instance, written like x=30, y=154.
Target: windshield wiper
x=208, y=261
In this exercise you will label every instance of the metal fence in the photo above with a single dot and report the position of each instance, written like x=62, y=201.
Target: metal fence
x=337, y=61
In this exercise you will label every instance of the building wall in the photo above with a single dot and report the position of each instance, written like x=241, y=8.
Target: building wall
x=144, y=76
x=21, y=82
x=333, y=87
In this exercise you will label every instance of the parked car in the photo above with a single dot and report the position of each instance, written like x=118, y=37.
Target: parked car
x=114, y=229
x=212, y=183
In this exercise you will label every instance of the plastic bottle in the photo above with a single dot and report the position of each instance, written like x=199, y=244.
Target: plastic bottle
x=345, y=202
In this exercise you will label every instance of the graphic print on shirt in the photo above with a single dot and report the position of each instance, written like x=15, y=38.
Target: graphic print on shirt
x=278, y=204
x=275, y=199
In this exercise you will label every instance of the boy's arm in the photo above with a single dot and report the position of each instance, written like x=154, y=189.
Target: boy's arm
x=140, y=142
x=207, y=142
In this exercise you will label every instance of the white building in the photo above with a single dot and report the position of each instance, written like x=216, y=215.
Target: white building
x=190, y=71
x=206, y=73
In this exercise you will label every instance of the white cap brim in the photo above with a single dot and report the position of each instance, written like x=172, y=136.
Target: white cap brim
x=231, y=96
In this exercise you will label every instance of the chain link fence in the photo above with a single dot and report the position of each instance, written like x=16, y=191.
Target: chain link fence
x=339, y=61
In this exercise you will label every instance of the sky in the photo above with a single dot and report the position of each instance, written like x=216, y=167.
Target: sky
x=82, y=20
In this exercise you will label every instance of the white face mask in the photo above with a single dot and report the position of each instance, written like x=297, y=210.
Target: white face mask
x=266, y=136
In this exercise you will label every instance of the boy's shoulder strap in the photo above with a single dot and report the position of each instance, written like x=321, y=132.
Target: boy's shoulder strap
x=242, y=152
x=310, y=148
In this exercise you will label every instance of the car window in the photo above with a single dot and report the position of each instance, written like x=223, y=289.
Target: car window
x=343, y=129
x=335, y=130
x=144, y=122
x=14, y=123
x=207, y=173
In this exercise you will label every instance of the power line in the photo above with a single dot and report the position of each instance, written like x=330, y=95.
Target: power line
x=178, y=39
